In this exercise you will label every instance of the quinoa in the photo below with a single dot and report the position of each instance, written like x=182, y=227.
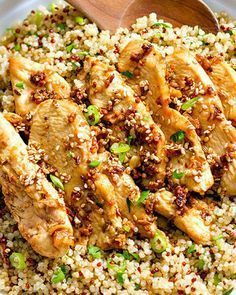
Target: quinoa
x=61, y=44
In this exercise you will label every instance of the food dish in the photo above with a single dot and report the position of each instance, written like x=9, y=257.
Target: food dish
x=118, y=131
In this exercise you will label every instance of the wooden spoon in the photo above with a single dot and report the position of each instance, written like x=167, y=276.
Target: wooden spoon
x=110, y=15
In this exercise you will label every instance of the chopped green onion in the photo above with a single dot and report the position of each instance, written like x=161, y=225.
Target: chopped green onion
x=63, y=268
x=177, y=175
x=17, y=47
x=178, y=136
x=217, y=241
x=92, y=115
x=61, y=26
x=70, y=154
x=216, y=280
x=119, y=269
x=37, y=18
x=191, y=249
x=217, y=238
x=58, y=276
x=70, y=47
x=118, y=148
x=20, y=85
x=159, y=242
x=74, y=66
x=126, y=255
x=190, y=103
x=142, y=198
x=200, y=264
x=136, y=256
x=128, y=202
x=94, y=164
x=99, y=204
x=228, y=292
x=94, y=251
x=127, y=74
x=52, y=7
x=122, y=157
x=79, y=20
x=120, y=278
x=126, y=228
x=130, y=138
x=229, y=32
x=57, y=182
x=137, y=287
x=165, y=25
x=17, y=260
x=83, y=53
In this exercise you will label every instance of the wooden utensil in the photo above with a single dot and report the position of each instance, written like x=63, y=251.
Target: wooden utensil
x=110, y=15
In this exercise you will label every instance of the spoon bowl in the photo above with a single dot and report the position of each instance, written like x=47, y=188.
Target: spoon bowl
x=110, y=15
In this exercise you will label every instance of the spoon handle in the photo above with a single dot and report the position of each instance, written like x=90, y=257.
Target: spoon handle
x=106, y=14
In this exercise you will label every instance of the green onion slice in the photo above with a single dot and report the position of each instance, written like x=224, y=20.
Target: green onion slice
x=159, y=242
x=178, y=136
x=228, y=292
x=83, y=53
x=190, y=103
x=20, y=85
x=92, y=115
x=94, y=251
x=191, y=249
x=115, y=267
x=58, y=276
x=61, y=26
x=122, y=157
x=118, y=148
x=17, y=47
x=165, y=25
x=177, y=175
x=120, y=278
x=17, y=260
x=70, y=47
x=137, y=287
x=200, y=264
x=130, y=139
x=79, y=20
x=126, y=228
x=128, y=202
x=37, y=18
x=94, y=164
x=142, y=198
x=217, y=241
x=127, y=74
x=52, y=7
x=216, y=279
x=57, y=182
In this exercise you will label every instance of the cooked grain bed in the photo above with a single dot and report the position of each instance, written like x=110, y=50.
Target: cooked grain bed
x=172, y=272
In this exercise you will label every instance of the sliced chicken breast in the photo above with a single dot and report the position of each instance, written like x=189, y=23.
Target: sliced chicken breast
x=35, y=205
x=148, y=70
x=223, y=77
x=218, y=136
x=190, y=220
x=127, y=115
x=33, y=83
x=98, y=195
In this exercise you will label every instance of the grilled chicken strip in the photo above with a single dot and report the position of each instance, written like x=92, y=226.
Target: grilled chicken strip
x=33, y=83
x=189, y=220
x=98, y=196
x=218, y=136
x=36, y=206
x=127, y=116
x=148, y=71
x=224, y=78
